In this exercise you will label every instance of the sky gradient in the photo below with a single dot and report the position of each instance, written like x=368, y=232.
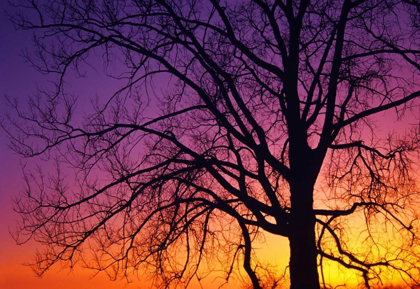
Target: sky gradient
x=19, y=80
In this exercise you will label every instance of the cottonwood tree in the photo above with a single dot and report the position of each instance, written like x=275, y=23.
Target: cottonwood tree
x=235, y=118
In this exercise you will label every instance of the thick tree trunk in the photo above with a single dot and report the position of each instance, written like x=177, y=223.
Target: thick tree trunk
x=303, y=257
x=303, y=253
x=305, y=165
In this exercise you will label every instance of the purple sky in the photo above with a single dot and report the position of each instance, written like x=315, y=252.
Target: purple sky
x=19, y=80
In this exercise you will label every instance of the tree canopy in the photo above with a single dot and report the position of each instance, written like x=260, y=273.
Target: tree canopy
x=232, y=118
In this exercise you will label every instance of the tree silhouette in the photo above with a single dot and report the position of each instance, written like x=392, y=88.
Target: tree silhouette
x=236, y=117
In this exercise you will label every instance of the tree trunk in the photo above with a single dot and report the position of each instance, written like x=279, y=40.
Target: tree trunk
x=303, y=253
x=305, y=165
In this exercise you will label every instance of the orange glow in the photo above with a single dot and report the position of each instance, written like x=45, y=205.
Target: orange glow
x=274, y=251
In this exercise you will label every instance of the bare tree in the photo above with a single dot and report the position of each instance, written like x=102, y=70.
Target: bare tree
x=267, y=124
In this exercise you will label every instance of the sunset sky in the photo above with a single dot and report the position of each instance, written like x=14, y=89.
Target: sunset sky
x=19, y=80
